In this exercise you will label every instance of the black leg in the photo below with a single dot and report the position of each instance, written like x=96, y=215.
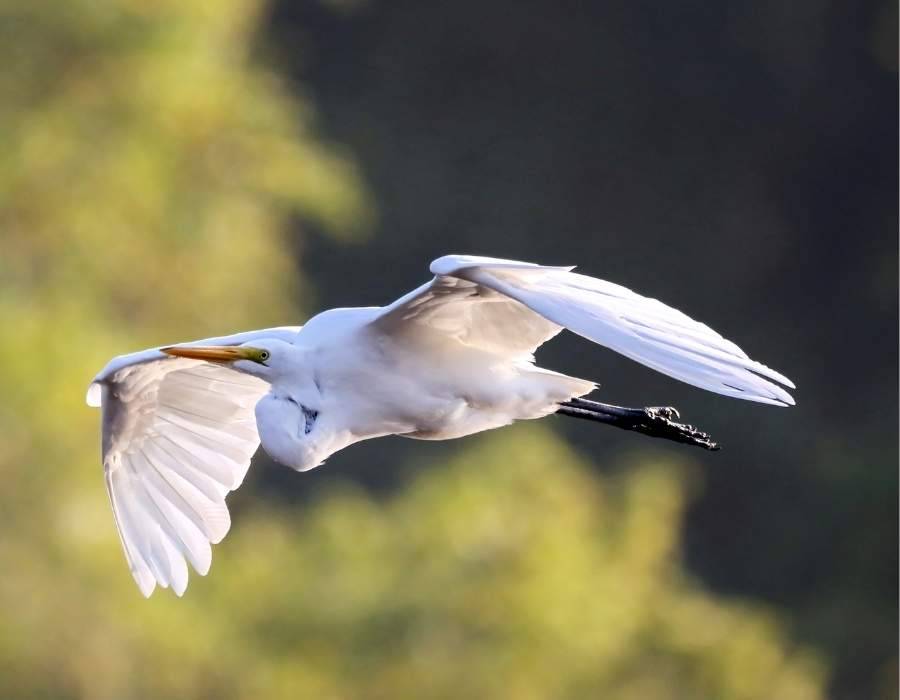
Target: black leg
x=653, y=421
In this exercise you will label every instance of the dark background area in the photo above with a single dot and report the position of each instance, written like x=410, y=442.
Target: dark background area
x=738, y=161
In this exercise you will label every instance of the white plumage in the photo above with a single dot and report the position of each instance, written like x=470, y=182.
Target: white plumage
x=177, y=436
x=453, y=357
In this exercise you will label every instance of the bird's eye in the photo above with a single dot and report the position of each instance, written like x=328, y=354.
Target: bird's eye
x=263, y=355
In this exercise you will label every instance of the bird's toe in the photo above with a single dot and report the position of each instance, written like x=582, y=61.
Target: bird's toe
x=665, y=412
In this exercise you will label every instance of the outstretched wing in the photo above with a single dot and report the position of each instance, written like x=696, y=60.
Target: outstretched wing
x=178, y=435
x=512, y=307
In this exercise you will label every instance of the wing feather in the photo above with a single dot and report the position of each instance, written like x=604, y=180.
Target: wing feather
x=178, y=436
x=511, y=307
x=469, y=313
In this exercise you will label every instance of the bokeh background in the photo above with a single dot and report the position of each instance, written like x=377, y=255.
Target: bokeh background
x=178, y=169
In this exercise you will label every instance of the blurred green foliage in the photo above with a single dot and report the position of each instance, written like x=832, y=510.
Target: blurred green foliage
x=510, y=572
x=150, y=165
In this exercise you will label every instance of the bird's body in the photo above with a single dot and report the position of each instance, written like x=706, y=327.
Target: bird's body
x=451, y=358
x=361, y=383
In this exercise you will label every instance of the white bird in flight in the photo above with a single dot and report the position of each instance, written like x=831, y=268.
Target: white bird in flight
x=451, y=358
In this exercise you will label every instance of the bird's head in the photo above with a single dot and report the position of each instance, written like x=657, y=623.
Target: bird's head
x=264, y=358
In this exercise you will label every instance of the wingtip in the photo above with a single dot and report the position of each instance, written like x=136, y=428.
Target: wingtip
x=781, y=400
x=94, y=396
x=146, y=587
x=771, y=374
x=784, y=399
x=202, y=568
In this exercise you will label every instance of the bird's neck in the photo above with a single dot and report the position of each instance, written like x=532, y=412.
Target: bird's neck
x=286, y=428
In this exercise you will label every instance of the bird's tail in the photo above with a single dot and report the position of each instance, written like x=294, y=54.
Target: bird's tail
x=543, y=391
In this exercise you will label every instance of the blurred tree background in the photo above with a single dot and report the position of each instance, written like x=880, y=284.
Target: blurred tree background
x=172, y=170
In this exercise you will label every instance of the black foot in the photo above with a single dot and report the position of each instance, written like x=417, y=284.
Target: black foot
x=667, y=412
x=660, y=423
x=655, y=421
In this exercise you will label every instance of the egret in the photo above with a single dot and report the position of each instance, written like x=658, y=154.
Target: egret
x=453, y=357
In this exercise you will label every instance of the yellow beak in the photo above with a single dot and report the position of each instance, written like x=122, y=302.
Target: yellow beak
x=212, y=353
